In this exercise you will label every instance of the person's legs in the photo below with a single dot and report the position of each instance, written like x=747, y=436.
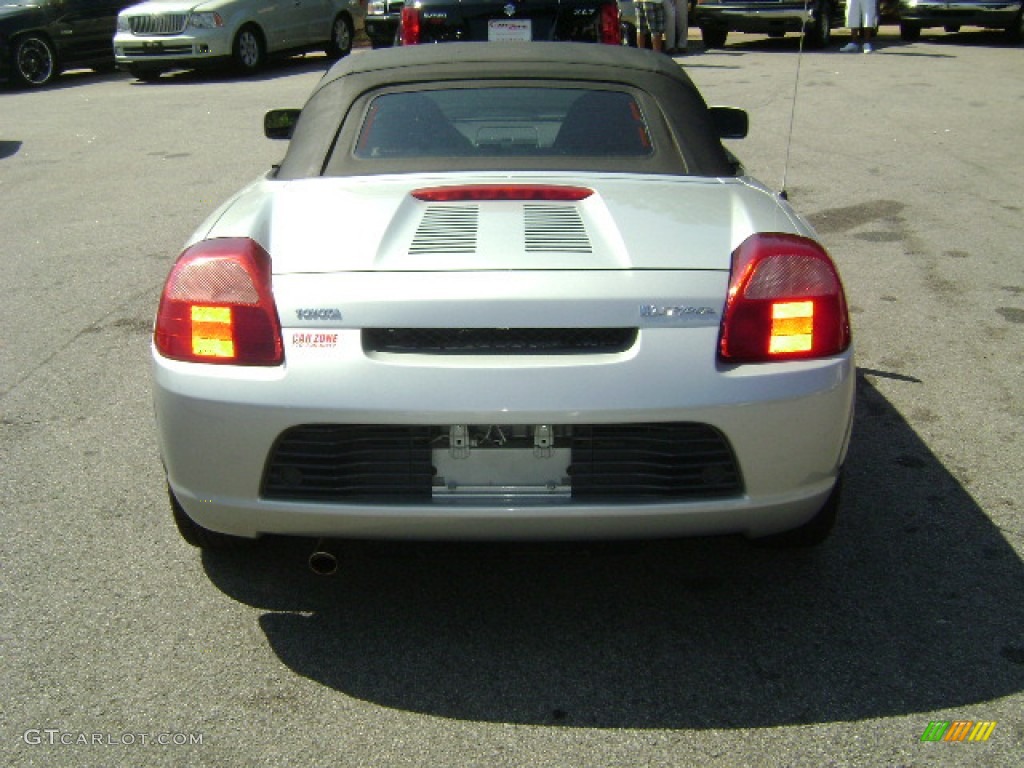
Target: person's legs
x=853, y=21
x=682, y=24
x=670, y=26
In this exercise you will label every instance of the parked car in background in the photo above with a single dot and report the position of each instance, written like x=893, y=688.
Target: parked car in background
x=382, y=18
x=1007, y=15
x=816, y=18
x=444, y=21
x=562, y=313
x=159, y=35
x=39, y=38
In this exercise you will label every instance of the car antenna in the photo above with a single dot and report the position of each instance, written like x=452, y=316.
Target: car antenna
x=783, y=193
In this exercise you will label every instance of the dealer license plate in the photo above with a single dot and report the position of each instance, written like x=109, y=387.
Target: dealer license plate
x=509, y=30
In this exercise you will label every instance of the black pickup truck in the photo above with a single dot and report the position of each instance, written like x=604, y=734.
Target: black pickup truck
x=394, y=22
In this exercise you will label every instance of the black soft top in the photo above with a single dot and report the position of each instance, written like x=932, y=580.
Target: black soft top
x=329, y=123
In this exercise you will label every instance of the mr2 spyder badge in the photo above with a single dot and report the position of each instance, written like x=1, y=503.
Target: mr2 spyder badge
x=678, y=314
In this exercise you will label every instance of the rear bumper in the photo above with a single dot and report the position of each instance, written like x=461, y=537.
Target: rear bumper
x=381, y=28
x=925, y=13
x=512, y=522
x=755, y=18
x=788, y=427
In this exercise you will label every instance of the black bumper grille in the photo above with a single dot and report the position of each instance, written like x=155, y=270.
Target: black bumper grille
x=652, y=462
x=392, y=464
x=499, y=341
x=328, y=462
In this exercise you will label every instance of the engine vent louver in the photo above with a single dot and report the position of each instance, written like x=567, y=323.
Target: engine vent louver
x=447, y=229
x=454, y=228
x=555, y=228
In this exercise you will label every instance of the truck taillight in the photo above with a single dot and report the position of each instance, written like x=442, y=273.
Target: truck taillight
x=785, y=302
x=610, y=29
x=217, y=306
x=410, y=26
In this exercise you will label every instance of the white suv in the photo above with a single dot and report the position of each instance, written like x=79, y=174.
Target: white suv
x=159, y=35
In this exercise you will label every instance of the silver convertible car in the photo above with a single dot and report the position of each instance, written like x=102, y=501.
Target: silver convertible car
x=504, y=292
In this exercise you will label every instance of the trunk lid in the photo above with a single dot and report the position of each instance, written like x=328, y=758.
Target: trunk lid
x=373, y=224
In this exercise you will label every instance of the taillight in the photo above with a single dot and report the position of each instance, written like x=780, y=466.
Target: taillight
x=610, y=30
x=785, y=302
x=410, y=26
x=217, y=306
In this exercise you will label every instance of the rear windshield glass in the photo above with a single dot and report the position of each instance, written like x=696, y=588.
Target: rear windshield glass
x=492, y=122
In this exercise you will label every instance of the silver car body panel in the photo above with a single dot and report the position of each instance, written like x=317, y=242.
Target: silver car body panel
x=342, y=262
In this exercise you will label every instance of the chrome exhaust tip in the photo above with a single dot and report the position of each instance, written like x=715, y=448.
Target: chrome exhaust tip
x=323, y=561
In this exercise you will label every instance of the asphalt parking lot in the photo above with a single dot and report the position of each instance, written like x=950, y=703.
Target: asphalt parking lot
x=122, y=646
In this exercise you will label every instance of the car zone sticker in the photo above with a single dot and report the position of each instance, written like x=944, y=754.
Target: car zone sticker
x=315, y=340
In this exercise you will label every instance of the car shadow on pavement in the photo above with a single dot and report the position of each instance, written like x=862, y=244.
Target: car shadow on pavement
x=9, y=148
x=915, y=604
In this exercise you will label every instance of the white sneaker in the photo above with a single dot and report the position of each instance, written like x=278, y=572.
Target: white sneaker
x=850, y=48
x=868, y=47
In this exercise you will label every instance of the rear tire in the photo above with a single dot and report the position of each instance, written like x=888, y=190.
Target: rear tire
x=249, y=51
x=821, y=30
x=814, y=531
x=714, y=37
x=909, y=32
x=145, y=74
x=34, y=62
x=342, y=34
x=200, y=537
x=1015, y=32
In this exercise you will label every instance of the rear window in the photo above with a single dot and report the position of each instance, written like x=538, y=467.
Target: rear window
x=503, y=121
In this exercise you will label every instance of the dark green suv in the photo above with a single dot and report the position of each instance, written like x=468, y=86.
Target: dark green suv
x=39, y=38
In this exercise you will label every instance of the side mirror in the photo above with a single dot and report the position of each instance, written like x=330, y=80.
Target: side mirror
x=730, y=123
x=280, y=123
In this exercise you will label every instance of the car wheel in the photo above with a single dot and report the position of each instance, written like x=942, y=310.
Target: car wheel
x=248, y=51
x=909, y=32
x=201, y=537
x=814, y=531
x=951, y=28
x=35, y=63
x=340, y=44
x=146, y=74
x=821, y=30
x=1015, y=32
x=714, y=37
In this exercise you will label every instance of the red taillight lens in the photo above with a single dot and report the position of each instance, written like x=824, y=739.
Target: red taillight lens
x=217, y=306
x=484, y=192
x=785, y=302
x=611, y=31
x=410, y=26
